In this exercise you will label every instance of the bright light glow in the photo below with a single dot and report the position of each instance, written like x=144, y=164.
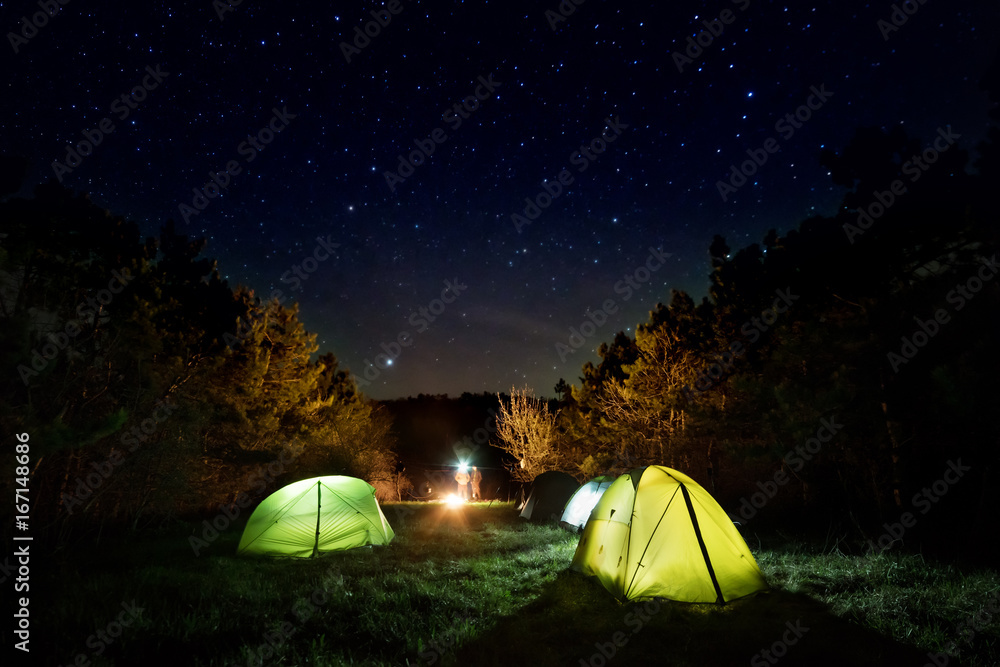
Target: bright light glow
x=579, y=507
x=463, y=467
x=453, y=501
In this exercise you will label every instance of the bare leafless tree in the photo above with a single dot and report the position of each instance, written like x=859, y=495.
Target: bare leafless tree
x=527, y=431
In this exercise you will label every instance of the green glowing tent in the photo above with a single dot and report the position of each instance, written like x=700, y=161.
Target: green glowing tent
x=314, y=516
x=656, y=533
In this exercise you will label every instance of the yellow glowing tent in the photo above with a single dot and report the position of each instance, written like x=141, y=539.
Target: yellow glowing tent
x=316, y=515
x=656, y=533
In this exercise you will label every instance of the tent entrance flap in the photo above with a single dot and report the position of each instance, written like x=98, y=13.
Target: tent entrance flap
x=650, y=541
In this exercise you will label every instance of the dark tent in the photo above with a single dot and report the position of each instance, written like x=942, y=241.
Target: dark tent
x=549, y=493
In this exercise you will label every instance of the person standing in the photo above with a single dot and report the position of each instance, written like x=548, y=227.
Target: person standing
x=462, y=477
x=477, y=479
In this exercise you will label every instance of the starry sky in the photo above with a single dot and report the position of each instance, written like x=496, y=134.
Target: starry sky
x=313, y=119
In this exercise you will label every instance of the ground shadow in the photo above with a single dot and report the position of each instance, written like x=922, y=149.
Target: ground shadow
x=576, y=622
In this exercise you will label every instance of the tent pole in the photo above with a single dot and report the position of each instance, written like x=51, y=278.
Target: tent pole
x=318, y=507
x=720, y=599
x=495, y=496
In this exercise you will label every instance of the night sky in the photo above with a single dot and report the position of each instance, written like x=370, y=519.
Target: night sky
x=324, y=133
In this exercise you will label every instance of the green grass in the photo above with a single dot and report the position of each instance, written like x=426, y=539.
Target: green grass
x=477, y=585
x=899, y=595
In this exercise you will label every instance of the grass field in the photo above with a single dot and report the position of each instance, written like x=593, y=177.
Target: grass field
x=478, y=586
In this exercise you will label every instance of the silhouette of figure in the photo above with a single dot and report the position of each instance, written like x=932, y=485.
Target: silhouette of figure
x=462, y=477
x=477, y=479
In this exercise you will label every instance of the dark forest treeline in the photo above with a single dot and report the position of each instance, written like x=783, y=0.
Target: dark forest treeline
x=430, y=428
x=149, y=387
x=836, y=371
x=871, y=347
